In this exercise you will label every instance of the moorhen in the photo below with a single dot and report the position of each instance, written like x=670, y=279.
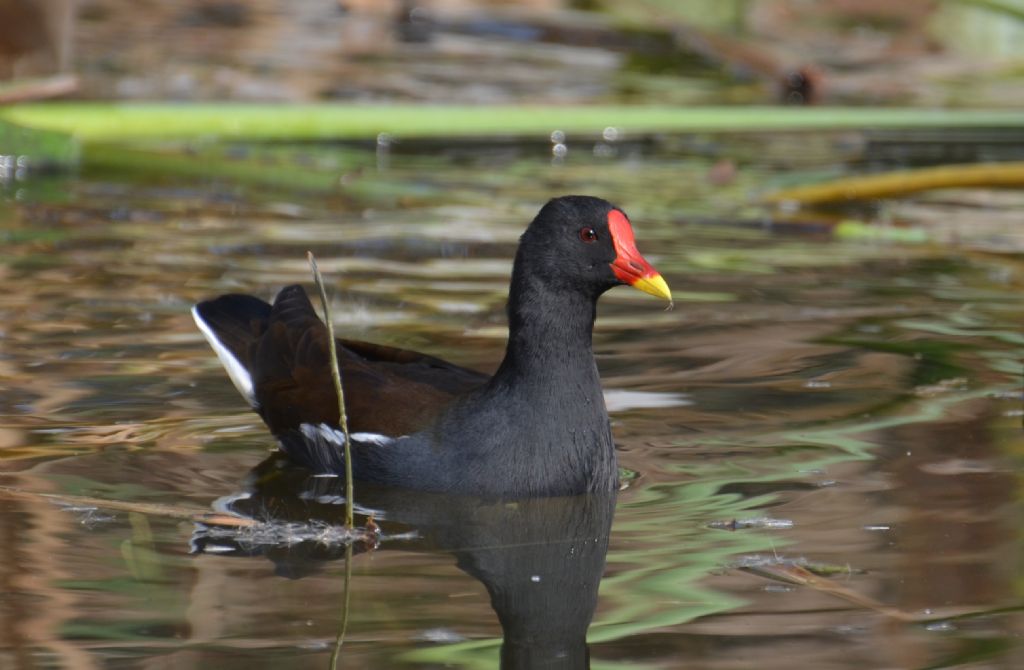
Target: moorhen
x=538, y=427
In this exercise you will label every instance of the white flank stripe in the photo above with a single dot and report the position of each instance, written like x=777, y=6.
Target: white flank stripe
x=372, y=438
x=240, y=377
x=336, y=437
x=313, y=433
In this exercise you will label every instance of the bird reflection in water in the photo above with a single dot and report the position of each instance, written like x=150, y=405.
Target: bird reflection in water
x=541, y=560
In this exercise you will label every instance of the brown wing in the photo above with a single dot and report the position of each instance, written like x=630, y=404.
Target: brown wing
x=284, y=348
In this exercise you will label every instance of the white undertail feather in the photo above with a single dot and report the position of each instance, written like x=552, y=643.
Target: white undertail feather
x=240, y=377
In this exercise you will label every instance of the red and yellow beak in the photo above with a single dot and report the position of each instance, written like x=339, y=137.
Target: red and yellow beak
x=629, y=266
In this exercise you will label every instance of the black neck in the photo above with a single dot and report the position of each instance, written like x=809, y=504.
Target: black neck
x=542, y=415
x=550, y=337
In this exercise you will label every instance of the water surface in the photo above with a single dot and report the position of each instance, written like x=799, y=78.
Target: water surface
x=858, y=400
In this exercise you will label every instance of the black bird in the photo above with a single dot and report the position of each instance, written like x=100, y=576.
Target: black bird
x=538, y=427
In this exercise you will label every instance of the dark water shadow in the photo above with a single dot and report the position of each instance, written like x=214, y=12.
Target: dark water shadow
x=541, y=560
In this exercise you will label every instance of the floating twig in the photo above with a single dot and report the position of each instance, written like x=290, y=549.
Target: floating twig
x=217, y=524
x=791, y=572
x=38, y=89
x=152, y=509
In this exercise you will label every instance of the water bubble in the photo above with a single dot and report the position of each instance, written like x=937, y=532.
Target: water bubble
x=213, y=548
x=849, y=630
x=440, y=636
x=559, y=150
x=610, y=134
x=762, y=522
x=557, y=137
x=384, y=142
x=6, y=168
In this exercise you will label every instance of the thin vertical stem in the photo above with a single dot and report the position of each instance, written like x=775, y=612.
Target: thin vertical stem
x=340, y=639
x=336, y=376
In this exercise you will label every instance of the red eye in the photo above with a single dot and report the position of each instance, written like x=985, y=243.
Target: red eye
x=588, y=235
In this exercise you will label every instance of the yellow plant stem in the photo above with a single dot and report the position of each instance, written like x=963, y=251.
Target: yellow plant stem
x=892, y=184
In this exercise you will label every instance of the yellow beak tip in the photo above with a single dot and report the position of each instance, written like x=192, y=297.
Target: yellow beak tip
x=655, y=285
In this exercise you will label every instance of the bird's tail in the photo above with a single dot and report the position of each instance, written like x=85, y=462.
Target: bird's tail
x=233, y=324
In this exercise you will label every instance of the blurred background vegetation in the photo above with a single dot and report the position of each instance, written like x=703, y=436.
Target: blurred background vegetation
x=950, y=53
